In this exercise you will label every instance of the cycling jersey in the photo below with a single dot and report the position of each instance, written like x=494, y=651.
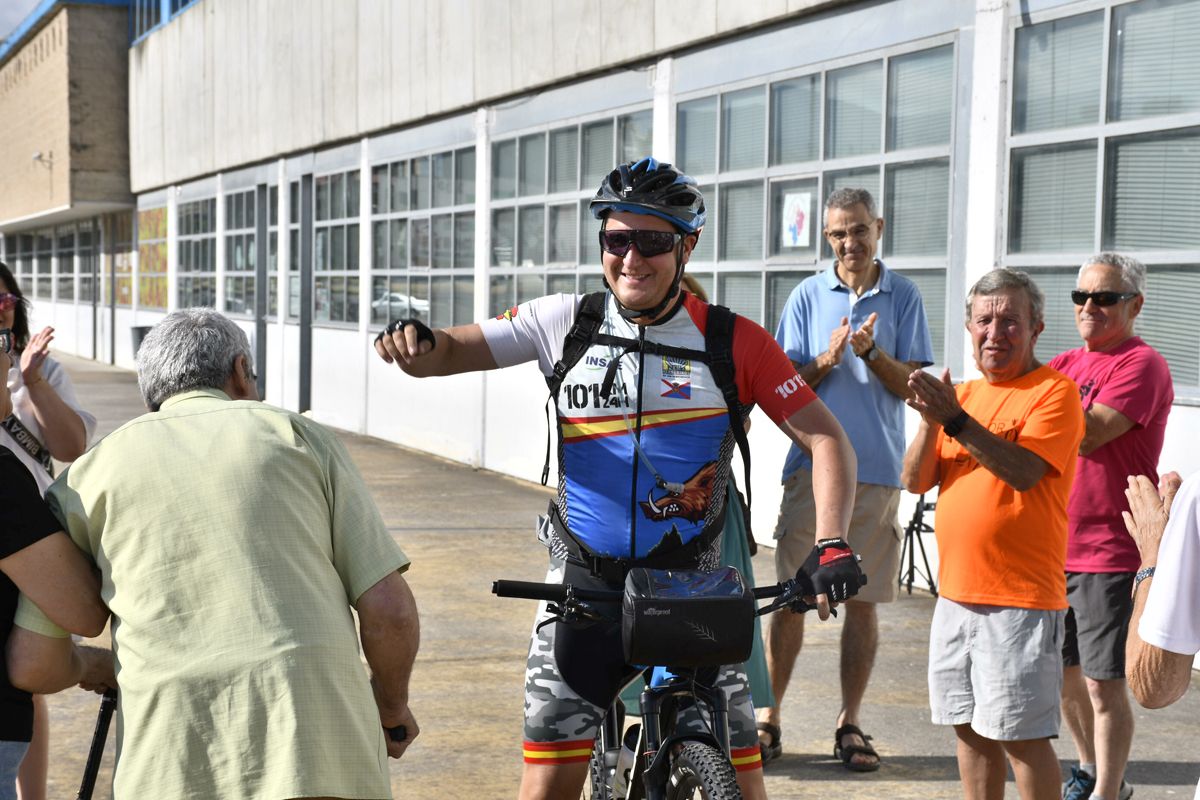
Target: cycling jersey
x=609, y=495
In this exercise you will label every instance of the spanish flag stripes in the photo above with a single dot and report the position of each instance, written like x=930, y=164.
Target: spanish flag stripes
x=559, y=752
x=746, y=758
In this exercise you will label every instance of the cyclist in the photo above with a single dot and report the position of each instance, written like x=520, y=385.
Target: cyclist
x=644, y=454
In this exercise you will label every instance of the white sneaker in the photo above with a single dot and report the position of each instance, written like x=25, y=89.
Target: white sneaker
x=1126, y=791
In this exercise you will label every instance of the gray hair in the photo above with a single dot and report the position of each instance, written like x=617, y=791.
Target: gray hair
x=1133, y=272
x=846, y=199
x=194, y=348
x=1003, y=280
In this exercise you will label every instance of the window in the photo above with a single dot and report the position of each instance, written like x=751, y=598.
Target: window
x=1110, y=167
x=423, y=234
x=240, y=253
x=86, y=243
x=197, y=281
x=118, y=261
x=542, y=230
x=152, y=257
x=335, y=245
x=43, y=258
x=66, y=264
x=767, y=156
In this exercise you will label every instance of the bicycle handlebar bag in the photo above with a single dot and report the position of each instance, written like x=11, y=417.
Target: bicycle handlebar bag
x=686, y=618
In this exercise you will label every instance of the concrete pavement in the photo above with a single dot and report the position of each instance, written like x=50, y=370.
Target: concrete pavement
x=464, y=527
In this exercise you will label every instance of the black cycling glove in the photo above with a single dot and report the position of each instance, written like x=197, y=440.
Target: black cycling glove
x=831, y=569
x=424, y=334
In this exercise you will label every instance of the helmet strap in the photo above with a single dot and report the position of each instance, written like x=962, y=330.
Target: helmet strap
x=672, y=294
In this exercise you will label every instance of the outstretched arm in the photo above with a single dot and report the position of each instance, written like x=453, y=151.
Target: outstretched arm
x=454, y=350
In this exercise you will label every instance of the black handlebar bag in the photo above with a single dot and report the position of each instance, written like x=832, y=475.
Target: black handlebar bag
x=686, y=618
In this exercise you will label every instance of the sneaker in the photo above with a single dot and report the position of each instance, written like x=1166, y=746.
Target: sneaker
x=1080, y=785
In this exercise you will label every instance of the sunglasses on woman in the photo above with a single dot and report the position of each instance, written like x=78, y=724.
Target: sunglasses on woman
x=1080, y=298
x=8, y=300
x=648, y=243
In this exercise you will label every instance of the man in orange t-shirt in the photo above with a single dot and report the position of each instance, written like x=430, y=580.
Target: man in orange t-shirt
x=1003, y=450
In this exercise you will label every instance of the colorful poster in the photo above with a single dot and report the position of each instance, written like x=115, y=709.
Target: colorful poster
x=795, y=225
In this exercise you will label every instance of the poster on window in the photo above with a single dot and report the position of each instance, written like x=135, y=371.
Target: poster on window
x=795, y=223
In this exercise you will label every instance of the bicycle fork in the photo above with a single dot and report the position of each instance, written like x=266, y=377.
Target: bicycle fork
x=656, y=751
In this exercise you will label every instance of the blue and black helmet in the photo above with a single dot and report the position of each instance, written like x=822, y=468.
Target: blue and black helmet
x=651, y=187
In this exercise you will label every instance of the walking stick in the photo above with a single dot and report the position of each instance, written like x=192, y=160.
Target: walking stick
x=108, y=704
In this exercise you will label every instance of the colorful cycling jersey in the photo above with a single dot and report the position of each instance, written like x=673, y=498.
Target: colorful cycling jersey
x=608, y=494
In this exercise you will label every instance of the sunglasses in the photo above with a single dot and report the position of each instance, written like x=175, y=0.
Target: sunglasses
x=649, y=243
x=8, y=300
x=1080, y=298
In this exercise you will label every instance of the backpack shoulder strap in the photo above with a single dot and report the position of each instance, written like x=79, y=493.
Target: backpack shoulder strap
x=575, y=344
x=718, y=342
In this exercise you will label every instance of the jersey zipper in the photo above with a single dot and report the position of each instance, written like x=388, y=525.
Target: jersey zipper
x=637, y=432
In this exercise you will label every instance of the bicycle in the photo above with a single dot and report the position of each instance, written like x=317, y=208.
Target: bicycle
x=674, y=764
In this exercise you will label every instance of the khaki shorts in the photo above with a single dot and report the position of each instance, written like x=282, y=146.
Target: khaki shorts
x=874, y=534
x=997, y=669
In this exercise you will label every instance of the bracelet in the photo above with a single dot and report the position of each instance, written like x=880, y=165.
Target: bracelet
x=1139, y=576
x=955, y=426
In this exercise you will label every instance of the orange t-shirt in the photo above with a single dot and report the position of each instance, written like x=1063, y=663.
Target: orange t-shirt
x=999, y=546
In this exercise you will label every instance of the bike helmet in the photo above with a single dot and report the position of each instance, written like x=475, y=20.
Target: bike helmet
x=651, y=187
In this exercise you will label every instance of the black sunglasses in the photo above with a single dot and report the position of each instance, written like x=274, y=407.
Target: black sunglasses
x=1080, y=298
x=649, y=243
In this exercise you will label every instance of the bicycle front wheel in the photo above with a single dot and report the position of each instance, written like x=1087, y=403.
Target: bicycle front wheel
x=600, y=776
x=702, y=771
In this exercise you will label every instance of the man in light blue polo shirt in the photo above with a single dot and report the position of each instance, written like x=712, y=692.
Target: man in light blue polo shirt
x=855, y=332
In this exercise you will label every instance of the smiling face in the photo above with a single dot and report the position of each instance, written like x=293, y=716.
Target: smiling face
x=853, y=235
x=1104, y=327
x=639, y=282
x=1003, y=334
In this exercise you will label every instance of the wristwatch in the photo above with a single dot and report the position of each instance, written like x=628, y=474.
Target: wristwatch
x=871, y=354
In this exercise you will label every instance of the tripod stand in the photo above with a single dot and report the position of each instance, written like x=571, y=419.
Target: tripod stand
x=912, y=540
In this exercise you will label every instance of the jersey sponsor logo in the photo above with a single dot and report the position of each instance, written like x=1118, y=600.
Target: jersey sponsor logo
x=595, y=362
x=692, y=503
x=676, y=368
x=790, y=386
x=509, y=314
x=677, y=391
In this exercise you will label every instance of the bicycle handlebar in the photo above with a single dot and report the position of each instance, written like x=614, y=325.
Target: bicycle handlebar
x=557, y=592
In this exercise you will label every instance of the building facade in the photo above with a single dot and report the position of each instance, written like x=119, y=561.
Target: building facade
x=314, y=169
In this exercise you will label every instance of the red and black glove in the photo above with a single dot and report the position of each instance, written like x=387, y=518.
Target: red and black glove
x=831, y=569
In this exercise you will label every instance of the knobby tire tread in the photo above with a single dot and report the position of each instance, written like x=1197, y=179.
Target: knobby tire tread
x=704, y=767
x=599, y=787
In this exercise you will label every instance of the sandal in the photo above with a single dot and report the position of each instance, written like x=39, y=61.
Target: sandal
x=848, y=752
x=773, y=750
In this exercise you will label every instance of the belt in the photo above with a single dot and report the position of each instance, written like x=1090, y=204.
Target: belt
x=613, y=570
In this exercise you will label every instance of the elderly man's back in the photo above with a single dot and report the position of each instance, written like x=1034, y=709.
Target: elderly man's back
x=233, y=537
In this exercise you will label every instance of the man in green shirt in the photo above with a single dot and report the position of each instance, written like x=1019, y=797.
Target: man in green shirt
x=232, y=539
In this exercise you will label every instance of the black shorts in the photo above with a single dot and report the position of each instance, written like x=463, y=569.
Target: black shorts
x=1097, y=622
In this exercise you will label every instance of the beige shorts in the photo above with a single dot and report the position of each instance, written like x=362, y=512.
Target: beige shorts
x=874, y=534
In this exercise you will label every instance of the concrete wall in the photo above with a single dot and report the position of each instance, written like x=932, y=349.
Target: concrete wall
x=295, y=74
x=98, y=101
x=63, y=95
x=34, y=119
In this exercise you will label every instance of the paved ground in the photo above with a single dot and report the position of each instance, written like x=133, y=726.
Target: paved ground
x=463, y=528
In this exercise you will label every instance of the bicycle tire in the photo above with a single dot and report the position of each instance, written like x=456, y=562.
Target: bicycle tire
x=702, y=768
x=599, y=786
